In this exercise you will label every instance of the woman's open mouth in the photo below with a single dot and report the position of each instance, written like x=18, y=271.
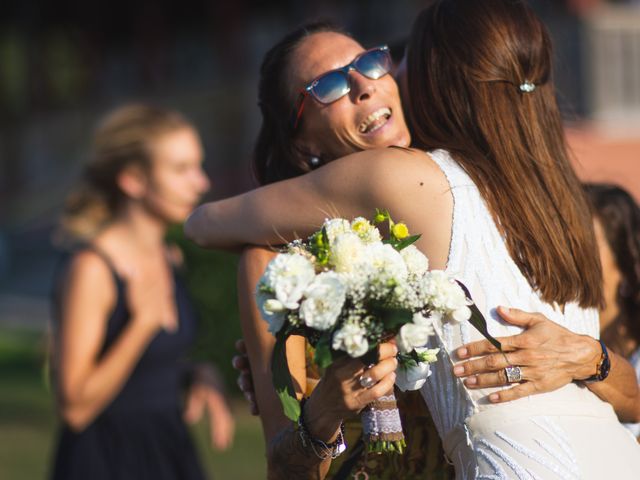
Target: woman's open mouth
x=375, y=120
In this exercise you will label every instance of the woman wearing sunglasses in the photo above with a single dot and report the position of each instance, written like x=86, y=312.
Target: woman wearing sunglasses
x=499, y=210
x=328, y=65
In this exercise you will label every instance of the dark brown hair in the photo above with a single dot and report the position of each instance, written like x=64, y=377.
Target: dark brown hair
x=466, y=62
x=619, y=215
x=275, y=155
x=122, y=139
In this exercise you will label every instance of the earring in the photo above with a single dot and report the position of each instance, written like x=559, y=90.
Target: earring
x=314, y=162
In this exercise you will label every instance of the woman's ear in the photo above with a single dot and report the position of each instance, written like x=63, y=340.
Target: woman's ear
x=133, y=182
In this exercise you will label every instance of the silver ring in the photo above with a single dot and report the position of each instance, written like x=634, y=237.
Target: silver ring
x=513, y=373
x=366, y=381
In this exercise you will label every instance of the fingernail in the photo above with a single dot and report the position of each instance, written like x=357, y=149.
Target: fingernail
x=395, y=350
x=471, y=381
x=462, y=352
x=494, y=397
x=458, y=370
x=393, y=375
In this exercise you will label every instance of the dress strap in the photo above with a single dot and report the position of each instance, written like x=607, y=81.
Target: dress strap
x=105, y=258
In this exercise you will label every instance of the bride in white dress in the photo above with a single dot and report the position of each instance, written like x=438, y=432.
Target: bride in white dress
x=498, y=206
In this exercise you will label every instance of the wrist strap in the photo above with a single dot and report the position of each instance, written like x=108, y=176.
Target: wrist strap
x=321, y=449
x=603, y=367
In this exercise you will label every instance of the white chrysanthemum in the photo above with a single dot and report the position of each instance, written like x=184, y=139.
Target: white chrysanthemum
x=445, y=295
x=347, y=252
x=335, y=227
x=272, y=311
x=323, y=302
x=352, y=339
x=288, y=275
x=414, y=377
x=367, y=232
x=412, y=335
x=417, y=263
x=386, y=262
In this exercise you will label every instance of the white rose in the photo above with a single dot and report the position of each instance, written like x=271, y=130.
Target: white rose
x=412, y=378
x=412, y=335
x=351, y=338
x=273, y=316
x=288, y=275
x=323, y=302
x=347, y=252
x=416, y=262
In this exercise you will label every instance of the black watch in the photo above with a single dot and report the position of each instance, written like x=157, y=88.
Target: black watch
x=602, y=370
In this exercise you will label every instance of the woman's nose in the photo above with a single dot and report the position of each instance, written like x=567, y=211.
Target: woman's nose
x=362, y=88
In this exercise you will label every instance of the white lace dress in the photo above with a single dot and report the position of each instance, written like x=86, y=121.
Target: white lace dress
x=566, y=434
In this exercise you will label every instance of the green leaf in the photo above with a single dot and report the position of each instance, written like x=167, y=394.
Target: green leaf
x=478, y=320
x=404, y=243
x=282, y=380
x=323, y=357
x=394, y=318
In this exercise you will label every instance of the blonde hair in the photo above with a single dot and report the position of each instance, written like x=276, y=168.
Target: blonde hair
x=122, y=139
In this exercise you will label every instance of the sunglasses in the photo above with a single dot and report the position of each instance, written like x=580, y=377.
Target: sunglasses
x=335, y=84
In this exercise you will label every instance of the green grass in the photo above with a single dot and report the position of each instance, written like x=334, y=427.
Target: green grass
x=28, y=424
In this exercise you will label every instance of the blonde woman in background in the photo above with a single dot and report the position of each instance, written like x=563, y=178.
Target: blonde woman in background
x=123, y=321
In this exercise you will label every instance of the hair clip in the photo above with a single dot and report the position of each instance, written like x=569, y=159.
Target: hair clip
x=527, y=87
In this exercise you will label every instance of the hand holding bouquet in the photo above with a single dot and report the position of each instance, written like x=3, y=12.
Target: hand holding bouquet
x=346, y=290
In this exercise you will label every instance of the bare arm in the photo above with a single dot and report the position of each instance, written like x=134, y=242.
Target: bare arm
x=88, y=383
x=551, y=356
x=260, y=343
x=348, y=187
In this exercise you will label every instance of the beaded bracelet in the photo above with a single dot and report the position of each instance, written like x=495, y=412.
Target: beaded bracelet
x=603, y=366
x=321, y=449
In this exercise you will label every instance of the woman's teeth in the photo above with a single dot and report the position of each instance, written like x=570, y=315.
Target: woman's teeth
x=376, y=120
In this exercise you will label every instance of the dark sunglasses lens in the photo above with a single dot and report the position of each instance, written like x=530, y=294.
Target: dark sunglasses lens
x=330, y=87
x=374, y=64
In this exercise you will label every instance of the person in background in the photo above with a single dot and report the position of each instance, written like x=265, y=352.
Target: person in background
x=616, y=219
x=123, y=321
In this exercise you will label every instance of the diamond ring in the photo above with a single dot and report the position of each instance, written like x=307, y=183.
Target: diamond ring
x=513, y=373
x=366, y=381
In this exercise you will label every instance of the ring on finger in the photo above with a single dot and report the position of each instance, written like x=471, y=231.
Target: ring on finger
x=513, y=373
x=366, y=381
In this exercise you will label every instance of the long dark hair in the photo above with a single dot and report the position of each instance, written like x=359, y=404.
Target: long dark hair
x=619, y=215
x=467, y=61
x=275, y=156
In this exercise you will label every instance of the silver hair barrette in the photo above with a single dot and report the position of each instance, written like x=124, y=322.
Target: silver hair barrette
x=527, y=87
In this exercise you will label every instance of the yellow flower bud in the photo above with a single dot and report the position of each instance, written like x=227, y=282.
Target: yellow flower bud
x=400, y=231
x=380, y=217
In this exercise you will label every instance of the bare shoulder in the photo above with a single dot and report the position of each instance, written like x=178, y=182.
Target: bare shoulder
x=395, y=164
x=87, y=273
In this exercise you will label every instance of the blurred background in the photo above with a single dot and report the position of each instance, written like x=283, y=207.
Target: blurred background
x=65, y=63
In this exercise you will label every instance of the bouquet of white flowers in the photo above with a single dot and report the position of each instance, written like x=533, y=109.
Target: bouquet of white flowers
x=346, y=289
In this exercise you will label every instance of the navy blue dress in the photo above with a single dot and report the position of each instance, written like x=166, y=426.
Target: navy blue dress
x=140, y=435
